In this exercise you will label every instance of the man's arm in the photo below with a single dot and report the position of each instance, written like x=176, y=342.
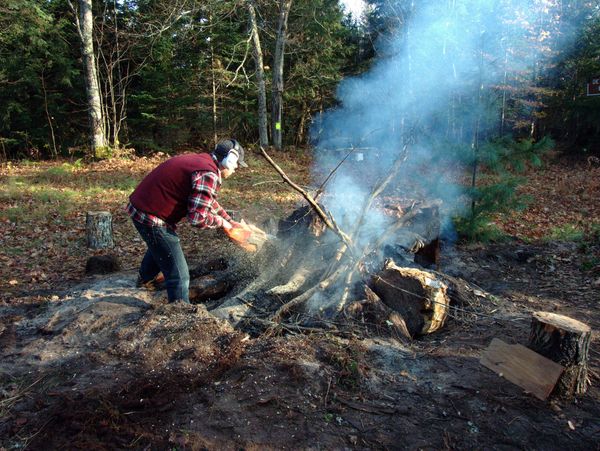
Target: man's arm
x=203, y=209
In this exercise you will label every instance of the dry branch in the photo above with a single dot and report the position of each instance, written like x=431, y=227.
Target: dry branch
x=327, y=219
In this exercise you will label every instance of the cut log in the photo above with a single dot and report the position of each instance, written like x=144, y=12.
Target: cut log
x=419, y=235
x=523, y=367
x=565, y=341
x=429, y=255
x=417, y=295
x=99, y=232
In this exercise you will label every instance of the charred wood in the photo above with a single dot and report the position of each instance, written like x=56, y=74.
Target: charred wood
x=420, y=297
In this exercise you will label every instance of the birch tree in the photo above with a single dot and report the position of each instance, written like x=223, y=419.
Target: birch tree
x=260, y=76
x=277, y=86
x=84, y=21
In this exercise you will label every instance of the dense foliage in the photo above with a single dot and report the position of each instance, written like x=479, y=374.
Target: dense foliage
x=180, y=72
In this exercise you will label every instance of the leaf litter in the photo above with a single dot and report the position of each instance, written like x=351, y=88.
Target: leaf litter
x=95, y=362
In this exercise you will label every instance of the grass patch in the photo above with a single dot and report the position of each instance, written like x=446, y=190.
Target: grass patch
x=566, y=232
x=479, y=229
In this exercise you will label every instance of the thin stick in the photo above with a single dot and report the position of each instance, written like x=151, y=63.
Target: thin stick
x=320, y=190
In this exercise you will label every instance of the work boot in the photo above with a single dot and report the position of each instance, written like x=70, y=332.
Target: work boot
x=156, y=284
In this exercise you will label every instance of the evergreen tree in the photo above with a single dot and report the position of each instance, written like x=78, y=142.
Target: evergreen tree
x=40, y=85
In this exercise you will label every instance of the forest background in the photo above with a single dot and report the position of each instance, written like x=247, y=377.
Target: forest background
x=180, y=74
x=483, y=86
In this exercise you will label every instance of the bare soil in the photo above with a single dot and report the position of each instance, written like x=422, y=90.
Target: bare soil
x=104, y=365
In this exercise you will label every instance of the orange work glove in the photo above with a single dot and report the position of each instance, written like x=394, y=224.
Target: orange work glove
x=238, y=235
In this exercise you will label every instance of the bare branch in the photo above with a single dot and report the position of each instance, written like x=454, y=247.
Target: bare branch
x=328, y=220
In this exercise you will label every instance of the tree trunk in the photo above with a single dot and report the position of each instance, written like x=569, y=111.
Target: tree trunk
x=214, y=93
x=96, y=117
x=304, y=118
x=260, y=77
x=48, y=116
x=99, y=231
x=565, y=341
x=277, y=85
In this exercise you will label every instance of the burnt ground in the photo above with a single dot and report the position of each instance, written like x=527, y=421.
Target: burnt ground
x=104, y=365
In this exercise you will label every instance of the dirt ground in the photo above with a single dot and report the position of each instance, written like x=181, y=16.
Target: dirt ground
x=104, y=365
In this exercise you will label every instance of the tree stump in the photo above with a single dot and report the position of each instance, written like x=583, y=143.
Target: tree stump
x=565, y=341
x=99, y=232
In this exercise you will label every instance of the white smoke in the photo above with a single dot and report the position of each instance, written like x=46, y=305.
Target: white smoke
x=433, y=87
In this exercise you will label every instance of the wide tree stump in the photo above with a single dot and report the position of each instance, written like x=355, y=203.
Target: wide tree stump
x=417, y=295
x=99, y=232
x=565, y=341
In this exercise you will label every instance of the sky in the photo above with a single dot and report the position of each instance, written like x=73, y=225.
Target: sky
x=354, y=6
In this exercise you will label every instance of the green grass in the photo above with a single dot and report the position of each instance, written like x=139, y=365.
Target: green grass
x=567, y=232
x=59, y=190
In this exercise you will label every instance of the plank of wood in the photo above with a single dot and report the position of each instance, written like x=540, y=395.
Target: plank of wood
x=523, y=367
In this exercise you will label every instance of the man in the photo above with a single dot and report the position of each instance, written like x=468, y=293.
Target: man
x=183, y=186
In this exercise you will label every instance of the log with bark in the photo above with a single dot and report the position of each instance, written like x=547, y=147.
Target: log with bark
x=419, y=296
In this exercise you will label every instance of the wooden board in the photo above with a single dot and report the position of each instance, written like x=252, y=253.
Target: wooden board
x=523, y=367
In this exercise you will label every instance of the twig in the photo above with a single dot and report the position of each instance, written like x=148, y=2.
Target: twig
x=320, y=189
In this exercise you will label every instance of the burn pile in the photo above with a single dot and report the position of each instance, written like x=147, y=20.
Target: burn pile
x=314, y=274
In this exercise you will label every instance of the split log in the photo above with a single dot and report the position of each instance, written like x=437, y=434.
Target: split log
x=372, y=312
x=419, y=296
x=99, y=231
x=565, y=341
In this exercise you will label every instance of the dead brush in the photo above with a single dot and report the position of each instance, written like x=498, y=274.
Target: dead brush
x=11, y=394
x=347, y=362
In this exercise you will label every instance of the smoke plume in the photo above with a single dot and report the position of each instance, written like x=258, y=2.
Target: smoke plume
x=438, y=85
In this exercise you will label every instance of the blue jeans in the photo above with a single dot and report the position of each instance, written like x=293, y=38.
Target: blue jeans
x=165, y=255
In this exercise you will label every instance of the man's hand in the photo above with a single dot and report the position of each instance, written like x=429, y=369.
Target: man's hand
x=239, y=234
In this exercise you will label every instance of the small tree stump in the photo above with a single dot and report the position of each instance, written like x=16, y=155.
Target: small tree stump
x=565, y=341
x=99, y=232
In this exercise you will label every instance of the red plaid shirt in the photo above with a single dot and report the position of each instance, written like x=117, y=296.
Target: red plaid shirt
x=203, y=209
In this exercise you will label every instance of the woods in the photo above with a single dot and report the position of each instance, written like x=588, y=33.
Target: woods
x=408, y=257
x=90, y=78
